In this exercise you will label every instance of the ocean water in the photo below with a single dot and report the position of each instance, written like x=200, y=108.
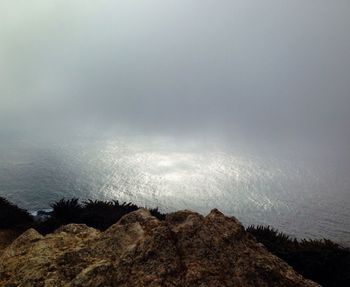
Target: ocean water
x=303, y=194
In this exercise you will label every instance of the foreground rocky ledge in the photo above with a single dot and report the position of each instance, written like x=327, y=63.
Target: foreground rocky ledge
x=186, y=249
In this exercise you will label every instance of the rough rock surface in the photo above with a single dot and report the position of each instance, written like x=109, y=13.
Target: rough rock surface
x=6, y=237
x=186, y=249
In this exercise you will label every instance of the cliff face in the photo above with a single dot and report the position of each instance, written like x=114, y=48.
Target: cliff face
x=186, y=249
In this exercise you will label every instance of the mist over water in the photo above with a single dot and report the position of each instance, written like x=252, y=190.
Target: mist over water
x=237, y=105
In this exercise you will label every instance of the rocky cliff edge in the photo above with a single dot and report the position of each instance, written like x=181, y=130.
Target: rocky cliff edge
x=187, y=249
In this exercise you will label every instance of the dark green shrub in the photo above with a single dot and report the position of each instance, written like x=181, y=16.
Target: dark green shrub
x=102, y=214
x=11, y=216
x=272, y=238
x=156, y=213
x=64, y=211
x=48, y=225
x=67, y=210
x=322, y=261
x=94, y=213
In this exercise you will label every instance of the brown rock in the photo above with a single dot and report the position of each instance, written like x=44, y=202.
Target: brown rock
x=7, y=236
x=186, y=249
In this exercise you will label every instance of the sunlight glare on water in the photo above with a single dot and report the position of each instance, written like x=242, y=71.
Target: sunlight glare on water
x=285, y=191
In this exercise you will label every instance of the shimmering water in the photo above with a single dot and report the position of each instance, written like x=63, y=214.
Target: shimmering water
x=305, y=196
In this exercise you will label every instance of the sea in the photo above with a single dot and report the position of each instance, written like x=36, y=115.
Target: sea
x=304, y=192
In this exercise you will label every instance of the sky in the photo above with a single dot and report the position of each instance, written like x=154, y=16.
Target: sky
x=277, y=69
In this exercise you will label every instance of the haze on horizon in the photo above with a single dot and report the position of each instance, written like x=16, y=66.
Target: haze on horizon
x=273, y=69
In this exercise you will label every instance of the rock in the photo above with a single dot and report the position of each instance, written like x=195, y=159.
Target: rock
x=7, y=236
x=187, y=249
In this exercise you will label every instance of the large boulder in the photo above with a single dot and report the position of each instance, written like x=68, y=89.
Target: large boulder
x=187, y=249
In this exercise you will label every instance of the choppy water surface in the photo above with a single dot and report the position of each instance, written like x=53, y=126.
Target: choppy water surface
x=303, y=196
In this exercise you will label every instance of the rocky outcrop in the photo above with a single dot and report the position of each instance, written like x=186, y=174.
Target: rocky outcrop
x=6, y=237
x=186, y=249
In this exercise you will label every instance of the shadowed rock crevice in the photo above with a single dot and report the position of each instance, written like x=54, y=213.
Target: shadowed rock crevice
x=186, y=249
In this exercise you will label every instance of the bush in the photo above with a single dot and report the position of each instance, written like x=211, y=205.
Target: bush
x=67, y=211
x=156, y=213
x=13, y=217
x=94, y=213
x=272, y=238
x=322, y=261
x=102, y=214
x=64, y=211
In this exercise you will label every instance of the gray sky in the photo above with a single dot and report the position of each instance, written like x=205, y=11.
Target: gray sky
x=275, y=68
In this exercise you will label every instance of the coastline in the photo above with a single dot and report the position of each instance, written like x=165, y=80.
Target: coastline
x=314, y=259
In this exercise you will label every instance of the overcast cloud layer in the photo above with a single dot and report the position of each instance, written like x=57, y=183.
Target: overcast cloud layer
x=271, y=68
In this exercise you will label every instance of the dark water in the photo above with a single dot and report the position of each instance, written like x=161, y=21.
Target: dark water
x=305, y=196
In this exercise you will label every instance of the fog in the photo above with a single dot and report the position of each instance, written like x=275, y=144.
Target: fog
x=242, y=103
x=272, y=69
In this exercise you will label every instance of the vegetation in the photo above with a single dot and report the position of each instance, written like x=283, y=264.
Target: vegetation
x=13, y=217
x=156, y=213
x=322, y=261
x=67, y=211
x=94, y=213
x=102, y=214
